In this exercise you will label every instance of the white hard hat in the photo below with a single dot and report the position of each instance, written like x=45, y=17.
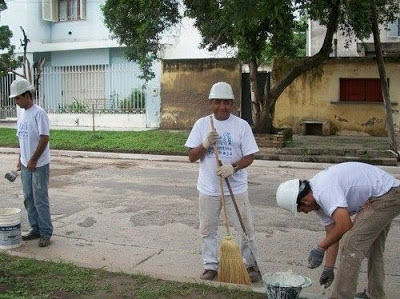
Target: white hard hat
x=221, y=90
x=19, y=86
x=286, y=195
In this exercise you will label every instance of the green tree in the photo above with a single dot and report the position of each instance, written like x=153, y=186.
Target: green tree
x=139, y=25
x=8, y=61
x=258, y=29
x=245, y=25
x=255, y=27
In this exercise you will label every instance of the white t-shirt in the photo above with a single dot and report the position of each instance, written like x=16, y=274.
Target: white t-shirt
x=32, y=123
x=236, y=140
x=349, y=185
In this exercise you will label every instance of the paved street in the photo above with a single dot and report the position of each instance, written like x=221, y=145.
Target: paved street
x=138, y=213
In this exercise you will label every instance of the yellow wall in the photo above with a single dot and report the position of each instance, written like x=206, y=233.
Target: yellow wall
x=185, y=85
x=315, y=96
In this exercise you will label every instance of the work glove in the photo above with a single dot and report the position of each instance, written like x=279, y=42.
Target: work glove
x=327, y=277
x=211, y=139
x=316, y=257
x=225, y=170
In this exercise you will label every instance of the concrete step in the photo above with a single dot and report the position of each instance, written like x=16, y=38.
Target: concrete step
x=327, y=152
x=385, y=161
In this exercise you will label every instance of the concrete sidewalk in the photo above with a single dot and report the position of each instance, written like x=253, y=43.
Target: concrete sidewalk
x=138, y=214
x=333, y=149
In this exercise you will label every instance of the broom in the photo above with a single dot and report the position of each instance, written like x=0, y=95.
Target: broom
x=231, y=266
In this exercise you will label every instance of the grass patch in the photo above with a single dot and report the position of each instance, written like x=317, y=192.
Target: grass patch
x=149, y=142
x=25, y=278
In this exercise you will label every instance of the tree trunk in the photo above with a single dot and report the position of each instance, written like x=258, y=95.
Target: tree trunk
x=256, y=104
x=308, y=63
x=384, y=85
x=268, y=115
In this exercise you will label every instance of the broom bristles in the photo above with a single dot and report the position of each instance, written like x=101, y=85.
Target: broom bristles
x=231, y=266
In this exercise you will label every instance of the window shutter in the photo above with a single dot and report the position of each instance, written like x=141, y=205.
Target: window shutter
x=393, y=29
x=351, y=89
x=362, y=90
x=373, y=90
x=82, y=7
x=50, y=10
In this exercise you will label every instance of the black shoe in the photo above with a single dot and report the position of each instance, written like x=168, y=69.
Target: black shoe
x=208, y=274
x=254, y=274
x=31, y=236
x=362, y=295
x=44, y=242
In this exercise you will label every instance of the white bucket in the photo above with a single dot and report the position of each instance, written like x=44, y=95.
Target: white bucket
x=10, y=228
x=284, y=285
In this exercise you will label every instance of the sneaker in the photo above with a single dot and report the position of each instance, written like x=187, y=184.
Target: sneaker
x=362, y=295
x=254, y=274
x=208, y=274
x=44, y=242
x=31, y=236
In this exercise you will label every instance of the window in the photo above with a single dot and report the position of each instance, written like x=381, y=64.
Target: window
x=360, y=90
x=63, y=10
x=394, y=28
x=69, y=10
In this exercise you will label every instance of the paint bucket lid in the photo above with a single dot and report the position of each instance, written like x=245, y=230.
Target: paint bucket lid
x=283, y=279
x=9, y=211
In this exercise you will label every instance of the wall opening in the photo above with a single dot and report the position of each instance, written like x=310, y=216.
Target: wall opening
x=313, y=129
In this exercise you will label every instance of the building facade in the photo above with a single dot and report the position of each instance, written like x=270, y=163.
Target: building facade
x=343, y=95
x=85, y=74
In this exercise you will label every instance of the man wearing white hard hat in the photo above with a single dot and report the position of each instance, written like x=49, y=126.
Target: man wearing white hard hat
x=33, y=133
x=236, y=147
x=337, y=193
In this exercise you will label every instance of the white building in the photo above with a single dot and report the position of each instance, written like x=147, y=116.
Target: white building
x=390, y=40
x=85, y=69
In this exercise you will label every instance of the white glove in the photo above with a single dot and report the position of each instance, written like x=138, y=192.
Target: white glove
x=211, y=139
x=225, y=170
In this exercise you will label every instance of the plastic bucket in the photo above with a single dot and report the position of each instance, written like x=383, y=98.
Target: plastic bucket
x=284, y=285
x=10, y=228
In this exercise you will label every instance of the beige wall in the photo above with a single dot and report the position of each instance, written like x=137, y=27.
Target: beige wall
x=315, y=96
x=185, y=85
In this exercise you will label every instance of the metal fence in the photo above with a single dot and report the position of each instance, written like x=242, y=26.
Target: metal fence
x=82, y=89
x=7, y=105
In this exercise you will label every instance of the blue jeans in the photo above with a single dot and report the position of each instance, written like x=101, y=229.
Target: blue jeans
x=36, y=199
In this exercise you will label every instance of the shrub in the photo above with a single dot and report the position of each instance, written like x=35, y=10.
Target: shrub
x=75, y=107
x=134, y=102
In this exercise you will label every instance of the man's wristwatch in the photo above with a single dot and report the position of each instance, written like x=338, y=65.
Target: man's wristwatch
x=235, y=168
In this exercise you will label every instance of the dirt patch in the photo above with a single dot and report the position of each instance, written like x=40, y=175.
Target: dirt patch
x=125, y=165
x=58, y=175
x=68, y=171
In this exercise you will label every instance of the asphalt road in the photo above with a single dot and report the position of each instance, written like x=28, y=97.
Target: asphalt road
x=138, y=213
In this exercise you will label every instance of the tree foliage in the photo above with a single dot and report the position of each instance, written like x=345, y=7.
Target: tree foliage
x=355, y=20
x=255, y=28
x=8, y=61
x=139, y=25
x=247, y=25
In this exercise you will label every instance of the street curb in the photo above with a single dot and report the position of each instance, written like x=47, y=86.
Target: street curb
x=171, y=158
x=107, y=155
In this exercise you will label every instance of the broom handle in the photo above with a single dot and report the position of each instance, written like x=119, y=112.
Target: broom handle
x=221, y=184
x=219, y=163
x=224, y=206
x=235, y=205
